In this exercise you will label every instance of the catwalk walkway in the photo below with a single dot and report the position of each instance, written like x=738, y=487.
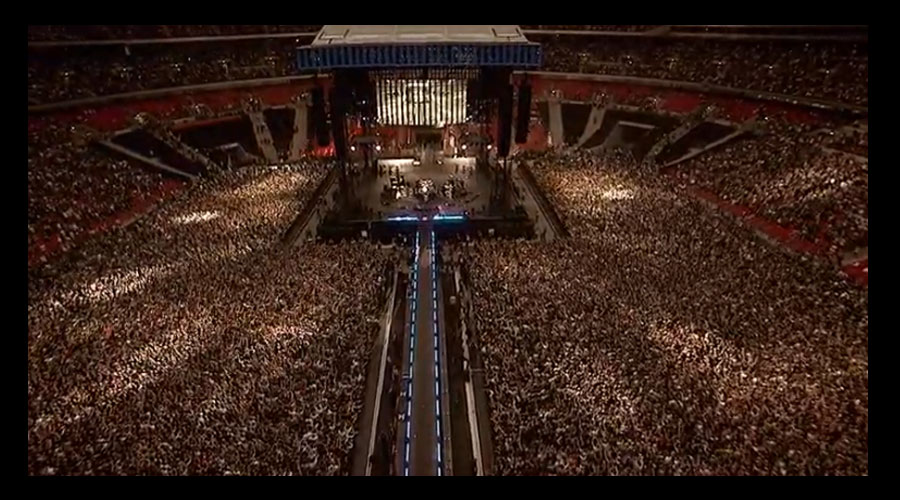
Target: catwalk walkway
x=421, y=437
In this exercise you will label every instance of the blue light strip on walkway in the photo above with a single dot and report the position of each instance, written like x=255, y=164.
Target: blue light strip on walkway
x=437, y=363
x=412, y=356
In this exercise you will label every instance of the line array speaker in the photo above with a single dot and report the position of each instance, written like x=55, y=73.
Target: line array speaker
x=319, y=120
x=506, y=105
x=338, y=118
x=523, y=114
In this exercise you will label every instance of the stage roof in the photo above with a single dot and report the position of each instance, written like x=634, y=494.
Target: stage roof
x=418, y=46
x=338, y=34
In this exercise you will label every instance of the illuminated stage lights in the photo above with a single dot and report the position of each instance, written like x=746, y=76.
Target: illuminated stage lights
x=436, y=218
x=437, y=364
x=442, y=217
x=412, y=356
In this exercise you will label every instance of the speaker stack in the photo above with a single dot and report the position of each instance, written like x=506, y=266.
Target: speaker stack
x=523, y=114
x=338, y=118
x=319, y=120
x=506, y=111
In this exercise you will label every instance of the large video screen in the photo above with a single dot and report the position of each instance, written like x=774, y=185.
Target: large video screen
x=421, y=103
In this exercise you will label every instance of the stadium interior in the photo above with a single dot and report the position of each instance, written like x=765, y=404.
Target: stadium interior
x=462, y=250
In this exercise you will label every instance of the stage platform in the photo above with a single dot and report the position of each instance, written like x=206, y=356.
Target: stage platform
x=369, y=188
x=369, y=211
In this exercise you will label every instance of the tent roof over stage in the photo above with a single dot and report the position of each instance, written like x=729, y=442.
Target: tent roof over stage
x=418, y=46
x=340, y=34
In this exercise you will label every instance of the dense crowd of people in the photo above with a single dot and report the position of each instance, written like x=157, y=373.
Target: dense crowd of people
x=664, y=338
x=661, y=338
x=192, y=342
x=835, y=71
x=74, y=185
x=143, y=31
x=787, y=176
x=60, y=74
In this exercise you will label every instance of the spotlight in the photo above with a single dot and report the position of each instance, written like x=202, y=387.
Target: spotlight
x=464, y=146
x=352, y=148
x=489, y=147
x=378, y=148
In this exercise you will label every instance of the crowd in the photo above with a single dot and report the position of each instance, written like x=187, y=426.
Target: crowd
x=59, y=74
x=74, y=185
x=193, y=342
x=835, y=71
x=840, y=31
x=787, y=176
x=664, y=338
x=143, y=31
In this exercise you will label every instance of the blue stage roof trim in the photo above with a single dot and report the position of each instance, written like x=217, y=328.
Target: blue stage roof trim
x=418, y=55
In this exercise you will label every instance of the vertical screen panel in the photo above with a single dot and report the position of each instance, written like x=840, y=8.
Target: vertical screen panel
x=407, y=103
x=395, y=102
x=380, y=104
x=420, y=88
x=414, y=102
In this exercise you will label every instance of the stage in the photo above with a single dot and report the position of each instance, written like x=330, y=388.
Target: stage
x=378, y=200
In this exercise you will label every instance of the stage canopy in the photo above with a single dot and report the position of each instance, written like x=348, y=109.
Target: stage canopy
x=393, y=46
